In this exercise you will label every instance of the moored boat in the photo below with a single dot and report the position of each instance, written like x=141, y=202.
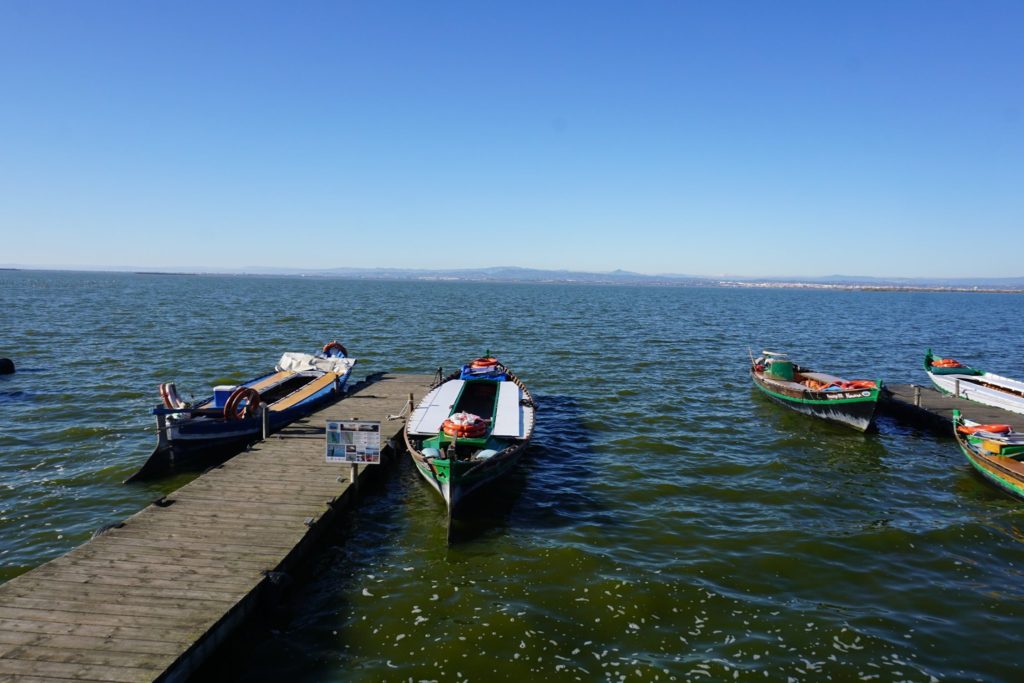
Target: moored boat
x=470, y=429
x=843, y=401
x=952, y=377
x=995, y=451
x=218, y=425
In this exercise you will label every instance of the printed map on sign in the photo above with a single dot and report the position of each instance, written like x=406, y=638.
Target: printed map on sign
x=354, y=441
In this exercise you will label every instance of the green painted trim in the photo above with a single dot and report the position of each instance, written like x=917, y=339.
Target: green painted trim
x=1008, y=485
x=822, y=402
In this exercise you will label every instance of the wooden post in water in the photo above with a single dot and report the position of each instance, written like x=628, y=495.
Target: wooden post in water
x=917, y=396
x=265, y=420
x=956, y=388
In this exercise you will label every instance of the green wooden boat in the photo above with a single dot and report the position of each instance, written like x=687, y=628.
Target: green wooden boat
x=995, y=451
x=470, y=429
x=847, y=402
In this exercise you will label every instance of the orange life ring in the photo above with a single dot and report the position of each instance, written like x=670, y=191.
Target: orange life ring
x=335, y=346
x=242, y=403
x=465, y=425
x=487, y=362
x=990, y=428
x=946, y=363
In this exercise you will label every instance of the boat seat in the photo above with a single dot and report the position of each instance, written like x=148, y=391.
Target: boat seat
x=270, y=381
x=434, y=409
x=511, y=418
x=304, y=392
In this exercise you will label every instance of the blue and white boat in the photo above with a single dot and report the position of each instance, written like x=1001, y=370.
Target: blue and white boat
x=233, y=417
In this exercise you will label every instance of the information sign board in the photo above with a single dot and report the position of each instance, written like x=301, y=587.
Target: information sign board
x=356, y=441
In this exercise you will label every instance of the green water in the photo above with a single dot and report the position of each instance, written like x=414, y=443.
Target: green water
x=668, y=523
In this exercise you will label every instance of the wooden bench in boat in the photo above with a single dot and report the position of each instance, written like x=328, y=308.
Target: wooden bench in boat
x=270, y=381
x=304, y=392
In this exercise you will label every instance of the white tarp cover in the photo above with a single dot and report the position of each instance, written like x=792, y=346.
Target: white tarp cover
x=510, y=420
x=435, y=408
x=302, y=362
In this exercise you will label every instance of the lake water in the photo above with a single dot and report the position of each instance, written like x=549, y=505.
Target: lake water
x=668, y=522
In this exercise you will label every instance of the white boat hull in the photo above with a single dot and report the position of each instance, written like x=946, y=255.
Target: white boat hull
x=986, y=388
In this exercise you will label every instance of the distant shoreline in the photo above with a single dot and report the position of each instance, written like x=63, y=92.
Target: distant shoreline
x=537, y=277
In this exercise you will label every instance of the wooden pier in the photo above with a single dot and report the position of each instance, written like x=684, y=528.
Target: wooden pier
x=927, y=407
x=151, y=598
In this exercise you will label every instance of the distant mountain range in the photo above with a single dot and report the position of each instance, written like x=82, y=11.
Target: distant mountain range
x=620, y=277
x=516, y=274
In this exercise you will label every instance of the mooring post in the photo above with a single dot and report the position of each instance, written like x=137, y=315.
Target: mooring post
x=353, y=474
x=956, y=388
x=265, y=419
x=917, y=396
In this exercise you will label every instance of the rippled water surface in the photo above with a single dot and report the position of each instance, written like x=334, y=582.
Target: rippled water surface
x=667, y=524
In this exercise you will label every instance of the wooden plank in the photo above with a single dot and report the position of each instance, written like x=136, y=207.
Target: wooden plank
x=157, y=571
x=98, y=655
x=159, y=628
x=200, y=562
x=174, y=595
x=104, y=632
x=229, y=497
x=164, y=609
x=305, y=392
x=509, y=417
x=270, y=381
x=61, y=670
x=98, y=577
x=227, y=535
x=76, y=642
x=261, y=487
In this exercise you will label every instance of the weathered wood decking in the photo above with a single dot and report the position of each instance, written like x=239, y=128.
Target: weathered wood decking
x=152, y=598
x=928, y=407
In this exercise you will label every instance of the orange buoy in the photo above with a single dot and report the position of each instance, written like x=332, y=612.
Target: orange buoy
x=990, y=428
x=465, y=425
x=487, y=362
x=946, y=363
x=242, y=403
x=335, y=346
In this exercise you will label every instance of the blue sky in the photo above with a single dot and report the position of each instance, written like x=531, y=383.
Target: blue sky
x=749, y=138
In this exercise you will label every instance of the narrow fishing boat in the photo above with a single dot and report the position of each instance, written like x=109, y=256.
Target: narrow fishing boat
x=848, y=402
x=952, y=377
x=470, y=429
x=233, y=416
x=994, y=450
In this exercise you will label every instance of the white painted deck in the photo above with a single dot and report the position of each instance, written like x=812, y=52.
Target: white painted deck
x=435, y=408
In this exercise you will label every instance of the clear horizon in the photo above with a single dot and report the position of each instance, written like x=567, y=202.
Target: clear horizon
x=287, y=271
x=795, y=140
